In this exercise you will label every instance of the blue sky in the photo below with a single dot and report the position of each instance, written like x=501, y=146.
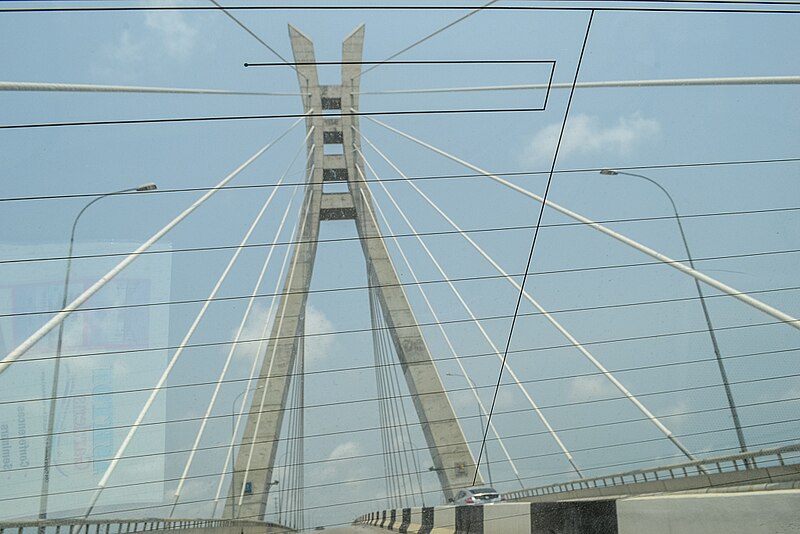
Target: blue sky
x=614, y=128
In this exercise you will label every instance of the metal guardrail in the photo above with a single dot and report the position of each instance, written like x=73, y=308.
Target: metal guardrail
x=117, y=526
x=722, y=464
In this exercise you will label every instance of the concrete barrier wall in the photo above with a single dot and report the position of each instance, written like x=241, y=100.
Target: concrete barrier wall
x=506, y=518
x=774, y=512
x=747, y=512
x=226, y=530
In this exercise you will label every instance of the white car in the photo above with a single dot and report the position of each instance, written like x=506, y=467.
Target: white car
x=477, y=496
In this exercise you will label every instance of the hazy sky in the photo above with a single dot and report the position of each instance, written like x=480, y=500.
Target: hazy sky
x=741, y=223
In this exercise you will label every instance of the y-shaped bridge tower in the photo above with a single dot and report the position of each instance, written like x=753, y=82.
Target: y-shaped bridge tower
x=331, y=121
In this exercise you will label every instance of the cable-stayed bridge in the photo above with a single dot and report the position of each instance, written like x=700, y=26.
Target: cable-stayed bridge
x=392, y=321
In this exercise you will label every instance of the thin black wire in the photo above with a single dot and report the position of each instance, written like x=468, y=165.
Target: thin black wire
x=256, y=37
x=527, y=435
x=647, y=460
x=405, y=284
x=438, y=360
x=410, y=62
x=222, y=118
x=355, y=180
x=390, y=7
x=365, y=330
x=431, y=233
x=529, y=457
x=533, y=245
x=572, y=404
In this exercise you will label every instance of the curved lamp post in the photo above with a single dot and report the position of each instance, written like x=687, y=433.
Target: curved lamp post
x=48, y=453
x=724, y=375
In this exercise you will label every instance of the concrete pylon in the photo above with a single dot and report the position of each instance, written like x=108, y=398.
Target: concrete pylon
x=332, y=121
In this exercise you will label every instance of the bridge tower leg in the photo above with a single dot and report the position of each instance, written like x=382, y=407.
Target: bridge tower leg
x=253, y=469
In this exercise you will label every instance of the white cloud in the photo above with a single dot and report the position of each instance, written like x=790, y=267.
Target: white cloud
x=586, y=135
x=166, y=34
x=317, y=346
x=172, y=32
x=126, y=50
x=341, y=463
x=254, y=329
x=348, y=449
x=588, y=388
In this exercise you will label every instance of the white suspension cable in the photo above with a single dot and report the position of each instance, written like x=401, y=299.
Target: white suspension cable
x=480, y=327
x=272, y=358
x=675, y=82
x=228, y=359
x=94, y=288
x=572, y=340
x=175, y=357
x=713, y=282
x=93, y=88
x=234, y=345
x=443, y=332
x=252, y=375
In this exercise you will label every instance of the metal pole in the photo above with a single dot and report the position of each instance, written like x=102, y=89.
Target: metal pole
x=48, y=448
x=717, y=354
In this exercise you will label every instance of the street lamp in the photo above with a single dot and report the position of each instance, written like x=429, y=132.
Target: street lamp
x=480, y=418
x=48, y=452
x=734, y=414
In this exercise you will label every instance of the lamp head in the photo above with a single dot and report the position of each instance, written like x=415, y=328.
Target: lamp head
x=149, y=186
x=608, y=172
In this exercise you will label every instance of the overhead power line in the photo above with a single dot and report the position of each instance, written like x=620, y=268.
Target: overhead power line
x=519, y=435
x=754, y=7
x=411, y=284
x=356, y=180
x=470, y=356
x=227, y=118
x=648, y=460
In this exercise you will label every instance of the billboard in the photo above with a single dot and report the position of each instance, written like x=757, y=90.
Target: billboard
x=113, y=352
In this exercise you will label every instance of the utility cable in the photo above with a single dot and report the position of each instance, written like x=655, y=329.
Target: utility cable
x=354, y=180
x=753, y=7
x=428, y=233
x=545, y=432
x=454, y=321
x=435, y=281
x=442, y=360
x=646, y=459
